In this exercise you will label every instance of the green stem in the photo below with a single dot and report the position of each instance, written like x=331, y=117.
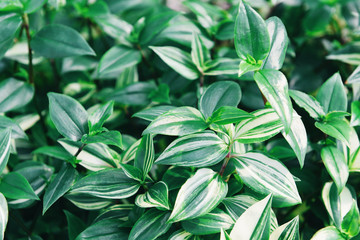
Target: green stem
x=28, y=37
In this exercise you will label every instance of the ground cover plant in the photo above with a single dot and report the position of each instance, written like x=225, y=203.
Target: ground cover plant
x=151, y=119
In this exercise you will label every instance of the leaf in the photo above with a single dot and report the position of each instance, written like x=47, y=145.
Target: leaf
x=14, y=185
x=222, y=66
x=145, y=155
x=350, y=222
x=98, y=117
x=195, y=150
x=78, y=63
x=199, y=52
x=68, y=116
x=246, y=67
x=5, y=143
x=235, y=206
x=355, y=114
x=115, y=211
x=332, y=95
x=263, y=126
x=348, y=54
x=254, y=223
x=177, y=122
x=88, y=202
x=111, y=138
x=274, y=86
x=59, y=186
x=75, y=225
x=58, y=41
x=31, y=6
x=175, y=177
x=309, y=103
x=335, y=163
x=226, y=114
x=278, y=43
x=251, y=35
x=224, y=235
x=287, y=231
x=219, y=94
x=54, y=151
x=297, y=138
x=4, y=215
x=116, y=60
x=209, y=223
x=132, y=172
x=266, y=175
x=183, y=235
x=16, y=131
x=339, y=129
x=178, y=60
x=14, y=94
x=113, y=26
x=11, y=5
x=199, y=195
x=328, y=233
x=150, y=225
x=354, y=77
x=151, y=113
x=156, y=196
x=9, y=25
x=109, y=184
x=108, y=228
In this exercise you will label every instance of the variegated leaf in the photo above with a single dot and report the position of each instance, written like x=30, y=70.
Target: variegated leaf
x=5, y=142
x=3, y=215
x=156, y=196
x=309, y=103
x=287, y=231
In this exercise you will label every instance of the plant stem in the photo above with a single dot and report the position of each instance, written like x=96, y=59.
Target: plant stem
x=201, y=83
x=80, y=149
x=223, y=167
x=28, y=37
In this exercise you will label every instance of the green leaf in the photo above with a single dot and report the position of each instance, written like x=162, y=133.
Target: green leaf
x=151, y=113
x=5, y=143
x=199, y=52
x=199, y=195
x=156, y=196
x=266, y=175
x=224, y=235
x=209, y=223
x=350, y=222
x=246, y=67
x=219, y=94
x=328, y=233
x=4, y=215
x=222, y=66
x=175, y=177
x=59, y=186
x=263, y=126
x=54, y=151
x=68, y=116
x=75, y=225
x=88, y=202
x=58, y=41
x=348, y=54
x=226, y=114
x=115, y=211
x=145, y=155
x=183, y=235
x=14, y=185
x=274, y=86
x=132, y=172
x=109, y=184
x=336, y=115
x=31, y=6
x=235, y=206
x=177, y=122
x=355, y=113
x=354, y=77
x=309, y=103
x=339, y=129
x=178, y=60
x=11, y=5
x=251, y=35
x=116, y=60
x=111, y=138
x=297, y=138
x=332, y=95
x=9, y=25
x=98, y=117
x=105, y=229
x=335, y=163
x=16, y=131
x=113, y=26
x=278, y=43
x=254, y=223
x=195, y=150
x=287, y=231
x=14, y=94
x=150, y=225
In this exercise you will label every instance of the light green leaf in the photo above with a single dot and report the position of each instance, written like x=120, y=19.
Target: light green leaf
x=274, y=86
x=355, y=114
x=105, y=229
x=219, y=94
x=266, y=175
x=254, y=223
x=287, y=231
x=11, y=5
x=98, y=117
x=246, y=67
x=199, y=52
x=222, y=66
x=177, y=122
x=350, y=222
x=332, y=95
x=14, y=94
x=209, y=223
x=9, y=24
x=178, y=60
x=58, y=41
x=145, y=155
x=116, y=60
x=224, y=235
x=309, y=103
x=14, y=185
x=278, y=43
x=68, y=116
x=199, y=195
x=111, y=138
x=4, y=215
x=328, y=233
x=226, y=114
x=150, y=225
x=31, y=6
x=335, y=163
x=54, y=151
x=151, y=113
x=251, y=35
x=354, y=77
x=263, y=126
x=59, y=186
x=195, y=150
x=156, y=196
x=75, y=225
x=5, y=143
x=109, y=184
x=113, y=26
x=348, y=54
x=339, y=129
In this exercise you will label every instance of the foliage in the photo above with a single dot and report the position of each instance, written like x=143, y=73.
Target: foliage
x=222, y=119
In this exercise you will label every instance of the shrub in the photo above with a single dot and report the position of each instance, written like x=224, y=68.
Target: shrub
x=131, y=120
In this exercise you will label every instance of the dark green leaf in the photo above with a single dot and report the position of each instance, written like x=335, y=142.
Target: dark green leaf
x=175, y=177
x=348, y=54
x=350, y=222
x=54, y=151
x=31, y=6
x=156, y=196
x=75, y=225
x=145, y=155
x=309, y=103
x=9, y=24
x=111, y=138
x=115, y=211
x=105, y=229
x=16, y=132
x=132, y=172
x=338, y=129
x=226, y=114
x=5, y=143
x=14, y=185
x=151, y=113
x=14, y=94
x=98, y=117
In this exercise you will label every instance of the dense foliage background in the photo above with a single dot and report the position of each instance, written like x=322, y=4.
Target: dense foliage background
x=150, y=119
